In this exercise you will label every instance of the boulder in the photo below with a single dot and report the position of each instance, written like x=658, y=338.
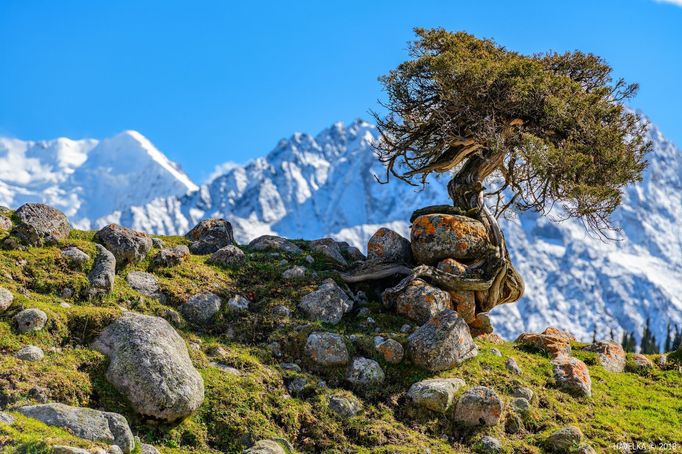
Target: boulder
x=86, y=423
x=274, y=243
x=101, y=277
x=572, y=375
x=511, y=365
x=143, y=282
x=481, y=325
x=76, y=258
x=417, y=300
x=327, y=304
x=210, y=235
x=552, y=341
x=329, y=248
x=439, y=236
x=169, y=257
x=344, y=407
x=326, y=349
x=61, y=449
x=442, y=343
x=295, y=272
x=127, y=245
x=391, y=350
x=641, y=362
x=388, y=246
x=6, y=418
x=585, y=449
x=238, y=304
x=520, y=405
x=267, y=447
x=436, y=394
x=479, y=406
x=229, y=255
x=564, y=440
x=39, y=224
x=464, y=302
x=6, y=299
x=148, y=449
x=452, y=266
x=611, y=355
x=30, y=353
x=488, y=445
x=201, y=308
x=149, y=364
x=30, y=320
x=5, y=223
x=364, y=372
x=523, y=392
x=353, y=253
x=158, y=243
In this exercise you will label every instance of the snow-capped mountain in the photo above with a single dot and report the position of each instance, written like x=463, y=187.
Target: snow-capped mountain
x=90, y=180
x=310, y=187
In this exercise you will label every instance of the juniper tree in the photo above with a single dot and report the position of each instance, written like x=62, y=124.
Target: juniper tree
x=551, y=128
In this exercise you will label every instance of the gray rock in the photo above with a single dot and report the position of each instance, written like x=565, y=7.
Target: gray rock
x=281, y=311
x=6, y=418
x=238, y=304
x=523, y=392
x=640, y=361
x=5, y=223
x=127, y=245
x=296, y=386
x=442, y=343
x=210, y=235
x=143, y=282
x=169, y=257
x=76, y=258
x=149, y=365
x=479, y=406
x=295, y=272
x=391, y=350
x=201, y=308
x=520, y=405
x=388, y=246
x=488, y=445
x=585, y=449
x=329, y=248
x=435, y=237
x=267, y=447
x=511, y=365
x=30, y=353
x=495, y=352
x=39, y=224
x=60, y=449
x=564, y=440
x=6, y=299
x=173, y=317
x=417, y=300
x=326, y=349
x=291, y=366
x=353, y=253
x=435, y=394
x=274, y=243
x=364, y=372
x=406, y=328
x=572, y=375
x=309, y=259
x=229, y=255
x=344, y=406
x=30, y=320
x=101, y=277
x=611, y=355
x=158, y=243
x=87, y=423
x=148, y=449
x=327, y=304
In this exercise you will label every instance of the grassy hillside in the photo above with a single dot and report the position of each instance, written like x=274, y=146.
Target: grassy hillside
x=253, y=402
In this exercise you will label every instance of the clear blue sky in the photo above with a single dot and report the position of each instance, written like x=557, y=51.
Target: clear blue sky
x=212, y=81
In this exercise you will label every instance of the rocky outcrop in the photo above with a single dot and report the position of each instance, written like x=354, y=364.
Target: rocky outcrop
x=435, y=237
x=327, y=304
x=390, y=349
x=127, y=245
x=150, y=366
x=39, y=224
x=210, y=235
x=388, y=246
x=564, y=440
x=330, y=249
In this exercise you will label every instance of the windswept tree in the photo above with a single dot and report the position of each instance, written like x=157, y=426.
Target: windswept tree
x=512, y=131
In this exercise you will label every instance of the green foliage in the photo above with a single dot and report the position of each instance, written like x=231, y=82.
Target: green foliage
x=648, y=344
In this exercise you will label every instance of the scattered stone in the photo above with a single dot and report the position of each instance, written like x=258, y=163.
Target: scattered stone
x=158, y=243
x=66, y=292
x=611, y=355
x=406, y=328
x=148, y=449
x=6, y=299
x=127, y=245
x=267, y=447
x=225, y=368
x=283, y=262
x=327, y=349
x=495, y=352
x=513, y=423
x=277, y=243
x=238, y=304
x=353, y=253
x=102, y=275
x=275, y=348
x=364, y=372
x=309, y=259
x=564, y=440
x=364, y=312
x=572, y=375
x=439, y=236
x=523, y=392
x=60, y=449
x=329, y=248
x=87, y=423
x=149, y=365
x=169, y=257
x=143, y=282
x=552, y=341
x=30, y=353
x=296, y=386
x=344, y=406
x=281, y=311
x=585, y=449
x=388, y=246
x=39, y=224
x=327, y=304
x=641, y=362
x=76, y=258
x=229, y=255
x=435, y=394
x=479, y=406
x=296, y=272
x=172, y=317
x=520, y=405
x=5, y=223
x=512, y=366
x=6, y=418
x=210, y=235
x=201, y=308
x=488, y=445
x=662, y=360
x=417, y=301
x=391, y=350
x=442, y=343
x=30, y=320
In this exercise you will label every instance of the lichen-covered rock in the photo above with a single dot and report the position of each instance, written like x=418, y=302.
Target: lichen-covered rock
x=611, y=355
x=6, y=299
x=451, y=266
x=169, y=257
x=6, y=418
x=353, y=253
x=86, y=423
x=343, y=406
x=464, y=303
x=295, y=272
x=267, y=447
x=391, y=350
x=417, y=301
x=210, y=235
x=364, y=372
x=488, y=445
x=564, y=440
x=481, y=325
x=143, y=282
x=442, y=343
x=238, y=304
x=30, y=353
x=158, y=243
x=435, y=394
x=552, y=341
x=327, y=304
x=436, y=237
x=274, y=243
x=76, y=258
x=326, y=349
x=148, y=449
x=520, y=405
x=523, y=392
x=101, y=277
x=201, y=308
x=39, y=224
x=572, y=375
x=149, y=364
x=389, y=246
x=642, y=362
x=229, y=255
x=5, y=223
x=61, y=449
x=479, y=406
x=127, y=245
x=511, y=365
x=30, y=320
x=329, y=248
